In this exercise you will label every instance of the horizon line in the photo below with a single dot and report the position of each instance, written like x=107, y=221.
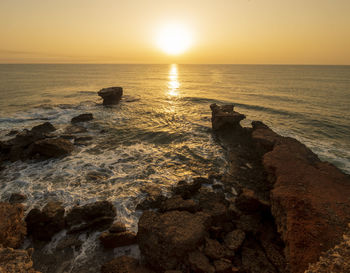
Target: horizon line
x=276, y=64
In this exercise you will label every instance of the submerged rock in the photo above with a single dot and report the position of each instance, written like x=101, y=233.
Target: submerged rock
x=44, y=128
x=12, y=227
x=15, y=261
x=82, y=118
x=111, y=95
x=52, y=147
x=225, y=117
x=43, y=224
x=165, y=239
x=99, y=215
x=124, y=264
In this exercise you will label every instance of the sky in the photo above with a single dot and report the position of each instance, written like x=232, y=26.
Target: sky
x=222, y=31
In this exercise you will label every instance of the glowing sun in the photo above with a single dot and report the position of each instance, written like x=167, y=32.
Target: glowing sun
x=174, y=39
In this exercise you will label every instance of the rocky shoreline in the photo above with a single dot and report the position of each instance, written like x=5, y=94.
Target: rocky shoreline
x=276, y=209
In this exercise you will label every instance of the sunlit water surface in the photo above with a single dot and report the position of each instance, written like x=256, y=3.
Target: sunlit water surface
x=161, y=132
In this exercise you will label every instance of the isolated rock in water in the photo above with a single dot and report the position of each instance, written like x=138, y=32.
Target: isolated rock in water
x=17, y=198
x=113, y=240
x=82, y=118
x=225, y=117
x=44, y=128
x=111, y=95
x=165, y=239
x=98, y=215
x=52, y=147
x=309, y=200
x=123, y=264
x=75, y=129
x=12, y=227
x=15, y=261
x=42, y=225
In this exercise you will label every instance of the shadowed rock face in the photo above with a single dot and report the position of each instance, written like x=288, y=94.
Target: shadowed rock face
x=111, y=95
x=12, y=227
x=309, y=200
x=225, y=117
x=52, y=147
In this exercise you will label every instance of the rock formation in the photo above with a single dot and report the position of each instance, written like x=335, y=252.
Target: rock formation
x=111, y=95
x=82, y=118
x=225, y=117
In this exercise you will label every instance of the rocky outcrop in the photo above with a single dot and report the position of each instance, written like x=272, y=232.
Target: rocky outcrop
x=15, y=261
x=82, y=118
x=43, y=224
x=117, y=239
x=97, y=216
x=111, y=95
x=165, y=239
x=124, y=264
x=52, y=147
x=309, y=199
x=12, y=227
x=44, y=128
x=225, y=117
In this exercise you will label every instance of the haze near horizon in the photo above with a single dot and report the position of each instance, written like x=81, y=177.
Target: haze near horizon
x=163, y=31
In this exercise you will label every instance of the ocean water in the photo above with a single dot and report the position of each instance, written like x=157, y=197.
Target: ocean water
x=160, y=133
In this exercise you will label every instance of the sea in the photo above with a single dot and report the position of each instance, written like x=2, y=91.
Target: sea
x=160, y=132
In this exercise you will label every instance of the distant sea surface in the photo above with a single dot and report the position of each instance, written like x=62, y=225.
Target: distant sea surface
x=160, y=133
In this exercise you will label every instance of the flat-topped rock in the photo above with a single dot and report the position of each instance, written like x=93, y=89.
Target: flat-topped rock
x=111, y=95
x=225, y=117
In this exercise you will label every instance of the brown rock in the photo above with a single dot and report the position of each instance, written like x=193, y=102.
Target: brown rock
x=16, y=198
x=223, y=266
x=111, y=95
x=44, y=128
x=52, y=147
x=200, y=263
x=234, y=239
x=113, y=240
x=178, y=203
x=187, y=190
x=12, y=227
x=15, y=261
x=213, y=249
x=82, y=118
x=310, y=201
x=225, y=117
x=117, y=227
x=249, y=203
x=99, y=215
x=124, y=264
x=165, y=239
x=42, y=225
x=75, y=129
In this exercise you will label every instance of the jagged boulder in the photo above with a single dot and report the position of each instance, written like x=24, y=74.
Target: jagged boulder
x=165, y=239
x=225, y=117
x=43, y=224
x=99, y=215
x=12, y=227
x=111, y=95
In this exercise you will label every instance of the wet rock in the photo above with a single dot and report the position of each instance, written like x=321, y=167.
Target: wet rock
x=99, y=215
x=187, y=190
x=15, y=261
x=249, y=203
x=113, y=240
x=213, y=249
x=84, y=140
x=52, y=147
x=178, y=203
x=223, y=266
x=111, y=95
x=309, y=200
x=12, y=133
x=234, y=239
x=69, y=241
x=225, y=117
x=75, y=129
x=12, y=226
x=43, y=224
x=117, y=227
x=153, y=199
x=165, y=239
x=82, y=118
x=124, y=264
x=17, y=198
x=44, y=128
x=200, y=263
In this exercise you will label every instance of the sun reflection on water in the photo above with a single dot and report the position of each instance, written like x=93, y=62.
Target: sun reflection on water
x=173, y=83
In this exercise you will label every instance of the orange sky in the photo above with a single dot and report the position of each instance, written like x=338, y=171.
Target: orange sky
x=224, y=31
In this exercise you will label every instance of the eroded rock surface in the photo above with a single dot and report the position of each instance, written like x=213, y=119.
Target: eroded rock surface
x=225, y=117
x=15, y=261
x=111, y=95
